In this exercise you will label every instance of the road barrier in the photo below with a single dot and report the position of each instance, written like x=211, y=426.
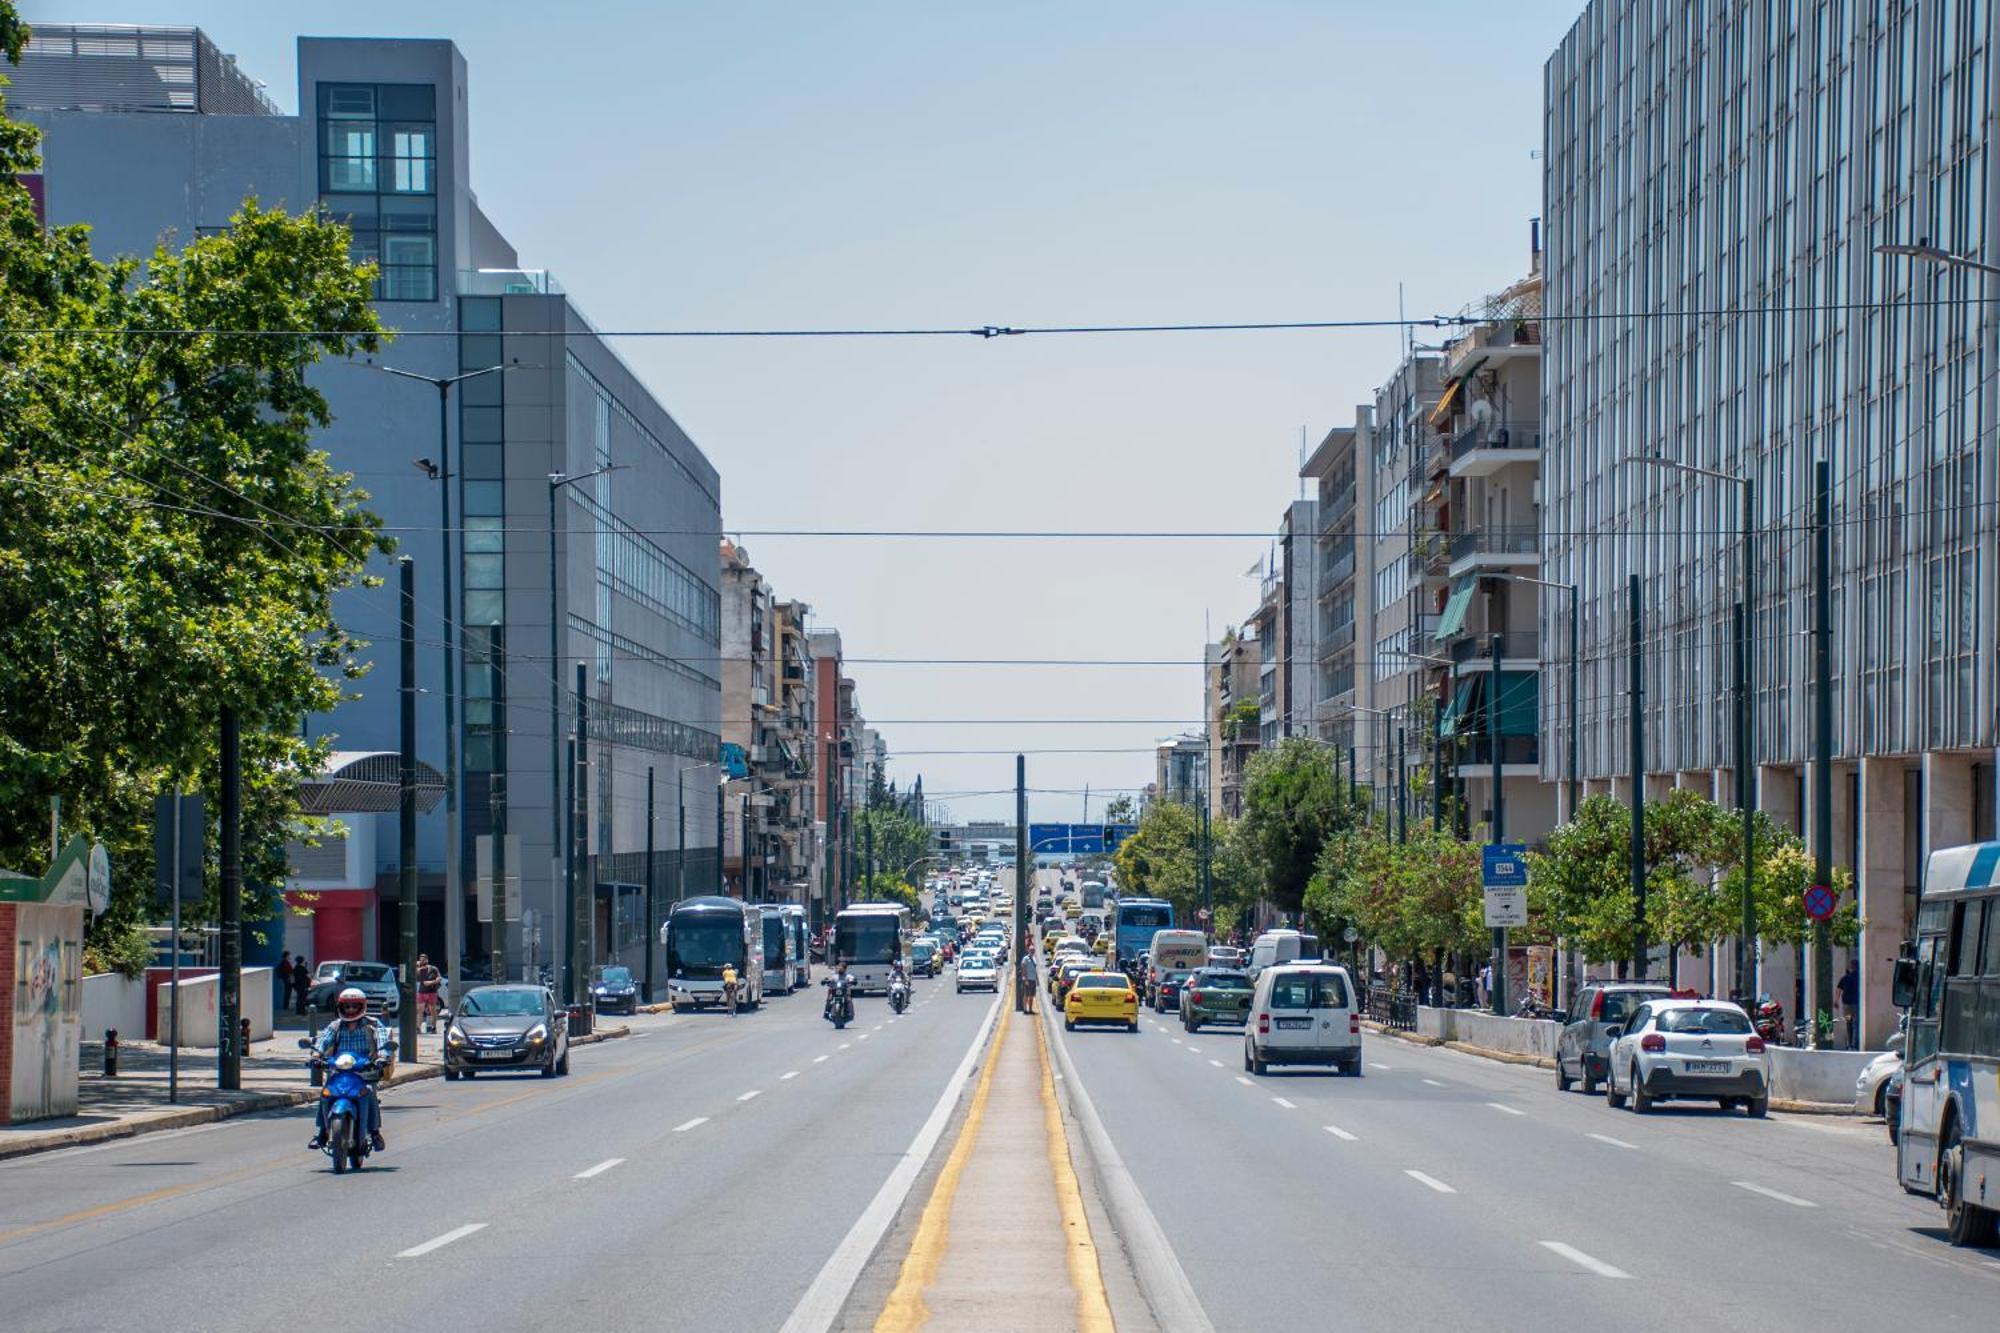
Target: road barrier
x=1393, y=1010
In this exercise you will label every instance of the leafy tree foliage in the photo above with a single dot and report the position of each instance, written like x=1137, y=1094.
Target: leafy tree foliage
x=1294, y=800
x=1121, y=811
x=1411, y=898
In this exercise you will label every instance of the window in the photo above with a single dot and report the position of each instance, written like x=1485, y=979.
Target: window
x=378, y=176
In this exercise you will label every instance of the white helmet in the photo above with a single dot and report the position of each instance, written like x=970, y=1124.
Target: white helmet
x=353, y=997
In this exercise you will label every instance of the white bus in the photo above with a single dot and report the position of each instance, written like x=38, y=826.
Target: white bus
x=1949, y=1143
x=870, y=938
x=799, y=931
x=705, y=935
x=777, y=950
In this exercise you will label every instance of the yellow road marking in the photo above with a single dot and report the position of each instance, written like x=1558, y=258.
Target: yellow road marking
x=1093, y=1307
x=906, y=1311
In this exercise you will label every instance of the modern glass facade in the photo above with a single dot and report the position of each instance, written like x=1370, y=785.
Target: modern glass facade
x=378, y=174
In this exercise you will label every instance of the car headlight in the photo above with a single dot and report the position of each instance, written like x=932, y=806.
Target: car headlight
x=538, y=1034
x=454, y=1037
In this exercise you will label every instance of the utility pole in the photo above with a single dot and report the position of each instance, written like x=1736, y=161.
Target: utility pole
x=652, y=897
x=680, y=861
x=1822, y=732
x=721, y=785
x=1021, y=872
x=497, y=800
x=868, y=856
x=229, y=1055
x=1746, y=794
x=1402, y=790
x=1353, y=782
x=406, y=888
x=569, y=869
x=1746, y=939
x=1637, y=848
x=1437, y=766
x=1499, y=821
x=1207, y=871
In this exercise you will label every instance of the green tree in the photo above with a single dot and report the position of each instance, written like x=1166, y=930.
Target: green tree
x=170, y=539
x=1163, y=859
x=1411, y=898
x=902, y=843
x=1121, y=811
x=1294, y=799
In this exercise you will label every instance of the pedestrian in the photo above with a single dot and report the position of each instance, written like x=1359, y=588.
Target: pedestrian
x=283, y=976
x=301, y=983
x=427, y=991
x=1450, y=987
x=1027, y=981
x=1850, y=999
x=1485, y=984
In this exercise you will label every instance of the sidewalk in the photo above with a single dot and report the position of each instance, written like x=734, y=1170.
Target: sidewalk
x=135, y=1102
x=1004, y=1241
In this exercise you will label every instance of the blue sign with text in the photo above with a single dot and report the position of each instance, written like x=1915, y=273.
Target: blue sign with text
x=1503, y=865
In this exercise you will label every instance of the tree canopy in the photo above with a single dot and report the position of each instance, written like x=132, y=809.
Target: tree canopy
x=1294, y=800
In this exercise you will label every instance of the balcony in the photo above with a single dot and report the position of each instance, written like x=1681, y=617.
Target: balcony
x=1338, y=509
x=507, y=282
x=1481, y=449
x=1339, y=572
x=1335, y=639
x=1493, y=548
x=1475, y=749
x=1520, y=645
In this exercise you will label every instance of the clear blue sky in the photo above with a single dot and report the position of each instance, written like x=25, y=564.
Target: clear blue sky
x=732, y=165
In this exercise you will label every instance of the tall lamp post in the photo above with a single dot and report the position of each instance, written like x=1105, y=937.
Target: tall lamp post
x=1744, y=616
x=440, y=472
x=1437, y=732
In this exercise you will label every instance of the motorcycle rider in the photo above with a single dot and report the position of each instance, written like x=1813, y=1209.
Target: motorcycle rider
x=837, y=986
x=353, y=1032
x=899, y=980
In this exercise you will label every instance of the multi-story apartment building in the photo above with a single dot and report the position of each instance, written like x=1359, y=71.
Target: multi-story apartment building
x=1181, y=770
x=842, y=779
x=1231, y=721
x=1295, y=668
x=1340, y=609
x=790, y=855
x=150, y=134
x=1489, y=424
x=1749, y=163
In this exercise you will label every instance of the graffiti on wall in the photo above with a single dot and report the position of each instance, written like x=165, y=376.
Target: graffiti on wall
x=48, y=1010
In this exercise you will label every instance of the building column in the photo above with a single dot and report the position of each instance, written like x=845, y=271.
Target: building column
x=1777, y=797
x=1947, y=816
x=1879, y=889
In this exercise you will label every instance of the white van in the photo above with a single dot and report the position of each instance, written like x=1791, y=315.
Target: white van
x=1280, y=946
x=1303, y=1014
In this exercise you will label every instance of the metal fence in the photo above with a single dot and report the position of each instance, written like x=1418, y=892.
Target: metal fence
x=1392, y=1009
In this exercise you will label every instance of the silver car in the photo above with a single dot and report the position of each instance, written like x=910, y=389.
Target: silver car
x=1583, y=1048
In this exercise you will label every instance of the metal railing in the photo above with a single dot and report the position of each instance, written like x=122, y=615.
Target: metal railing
x=1525, y=436
x=1495, y=541
x=1396, y=1010
x=1515, y=644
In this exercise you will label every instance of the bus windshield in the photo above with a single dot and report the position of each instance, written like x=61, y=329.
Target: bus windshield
x=774, y=940
x=866, y=938
x=699, y=946
x=1146, y=916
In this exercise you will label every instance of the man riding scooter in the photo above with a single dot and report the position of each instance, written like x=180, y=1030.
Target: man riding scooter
x=355, y=1033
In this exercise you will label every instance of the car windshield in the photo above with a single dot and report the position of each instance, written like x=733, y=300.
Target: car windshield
x=1309, y=990
x=366, y=972
x=501, y=1002
x=1100, y=981
x=1619, y=1004
x=1721, y=1022
x=614, y=976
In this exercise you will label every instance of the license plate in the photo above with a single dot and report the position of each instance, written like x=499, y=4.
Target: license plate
x=494, y=1055
x=1287, y=1023
x=1707, y=1066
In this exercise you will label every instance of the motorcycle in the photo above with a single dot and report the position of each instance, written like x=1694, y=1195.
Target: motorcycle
x=839, y=1001
x=346, y=1092
x=899, y=995
x=1770, y=1021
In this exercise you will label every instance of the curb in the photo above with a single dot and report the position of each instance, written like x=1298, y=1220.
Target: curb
x=188, y=1117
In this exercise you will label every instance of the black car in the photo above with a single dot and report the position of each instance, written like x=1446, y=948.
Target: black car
x=613, y=989
x=515, y=1026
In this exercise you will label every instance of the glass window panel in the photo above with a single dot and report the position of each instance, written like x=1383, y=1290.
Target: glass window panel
x=404, y=283
x=479, y=314
x=347, y=138
x=347, y=100
x=482, y=461
x=484, y=497
x=408, y=213
x=485, y=607
x=347, y=173
x=478, y=710
x=477, y=353
x=483, y=533
x=484, y=391
x=481, y=425
x=485, y=571
x=478, y=680
x=365, y=247
x=479, y=753
x=408, y=101
x=352, y=210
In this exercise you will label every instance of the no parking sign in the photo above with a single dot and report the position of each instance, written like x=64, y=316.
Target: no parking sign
x=1821, y=902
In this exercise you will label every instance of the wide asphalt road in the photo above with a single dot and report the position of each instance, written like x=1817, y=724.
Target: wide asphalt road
x=698, y=1174
x=1448, y=1191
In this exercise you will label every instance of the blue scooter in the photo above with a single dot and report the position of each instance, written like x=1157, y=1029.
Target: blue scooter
x=346, y=1096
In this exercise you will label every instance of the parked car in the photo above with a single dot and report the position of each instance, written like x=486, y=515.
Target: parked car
x=1303, y=1014
x=508, y=1026
x=613, y=989
x=375, y=980
x=1101, y=997
x=1694, y=1049
x=1872, y=1089
x=977, y=970
x=1584, y=1045
x=1215, y=995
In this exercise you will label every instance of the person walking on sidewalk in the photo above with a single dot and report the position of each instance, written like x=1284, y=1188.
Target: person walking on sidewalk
x=1027, y=981
x=301, y=983
x=427, y=991
x=283, y=976
x=1850, y=1000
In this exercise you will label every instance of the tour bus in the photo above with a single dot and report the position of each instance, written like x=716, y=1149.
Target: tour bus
x=1949, y=1144
x=777, y=950
x=704, y=935
x=869, y=938
x=1093, y=894
x=1133, y=921
x=799, y=929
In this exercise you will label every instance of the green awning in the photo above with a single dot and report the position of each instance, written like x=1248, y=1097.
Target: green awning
x=1459, y=707
x=1453, y=619
x=1520, y=695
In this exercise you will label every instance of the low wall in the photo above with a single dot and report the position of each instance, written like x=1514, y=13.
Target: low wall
x=1534, y=1037
x=114, y=1001
x=1434, y=1023
x=1816, y=1076
x=201, y=1007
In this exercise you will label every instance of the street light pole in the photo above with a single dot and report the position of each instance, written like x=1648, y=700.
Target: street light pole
x=1637, y=847
x=1499, y=821
x=1822, y=733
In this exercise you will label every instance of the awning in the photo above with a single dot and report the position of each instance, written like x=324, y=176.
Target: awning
x=1442, y=412
x=1520, y=698
x=359, y=782
x=1460, y=706
x=1452, y=622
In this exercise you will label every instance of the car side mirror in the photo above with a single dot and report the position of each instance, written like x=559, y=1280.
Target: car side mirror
x=1614, y=1032
x=1903, y=983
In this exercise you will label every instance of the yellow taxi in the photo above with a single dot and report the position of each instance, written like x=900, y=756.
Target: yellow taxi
x=1101, y=997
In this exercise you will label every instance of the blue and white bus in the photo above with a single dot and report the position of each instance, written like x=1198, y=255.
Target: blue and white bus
x=1949, y=1143
x=1133, y=921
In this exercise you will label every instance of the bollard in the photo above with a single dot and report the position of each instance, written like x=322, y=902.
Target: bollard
x=111, y=1052
x=244, y=1049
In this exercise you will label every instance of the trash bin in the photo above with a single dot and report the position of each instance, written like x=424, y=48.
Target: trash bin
x=579, y=1020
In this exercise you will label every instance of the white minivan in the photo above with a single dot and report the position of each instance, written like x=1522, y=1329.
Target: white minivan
x=1303, y=1014
x=1280, y=946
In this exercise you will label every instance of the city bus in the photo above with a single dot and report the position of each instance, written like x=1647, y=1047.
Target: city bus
x=777, y=950
x=1949, y=1141
x=1133, y=921
x=799, y=928
x=705, y=935
x=870, y=938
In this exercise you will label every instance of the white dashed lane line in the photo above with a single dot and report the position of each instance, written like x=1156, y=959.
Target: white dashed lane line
x=754, y=1092
x=1434, y=1083
x=1502, y=1106
x=1216, y=1063
x=1289, y=1106
x=821, y=1059
x=1372, y=1064
x=1616, y=1143
x=599, y=1169
x=439, y=1242
x=1429, y=1182
x=1768, y=1193
x=686, y=1125
x=789, y=1073
x=1582, y=1260
x=1244, y=1081
x=1339, y=1133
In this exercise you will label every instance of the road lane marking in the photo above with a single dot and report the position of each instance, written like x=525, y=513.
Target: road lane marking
x=1216, y=1063
x=1434, y=1083
x=862, y=1036
x=1791, y=1199
x=877, y=1027
x=789, y=1073
x=1510, y=1110
x=1430, y=1182
x=1616, y=1143
x=1372, y=1064
x=845, y=1045
x=687, y=1125
x=1244, y=1081
x=1582, y=1260
x=1339, y=1133
x=748, y=1095
x=599, y=1169
x=817, y=1059
x=439, y=1242
x=1176, y=1040
x=1289, y=1106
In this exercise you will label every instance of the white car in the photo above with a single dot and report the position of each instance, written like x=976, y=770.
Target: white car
x=978, y=971
x=1689, y=1049
x=1302, y=1014
x=1874, y=1090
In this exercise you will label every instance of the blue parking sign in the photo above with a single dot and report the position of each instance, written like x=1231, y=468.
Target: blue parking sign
x=1503, y=865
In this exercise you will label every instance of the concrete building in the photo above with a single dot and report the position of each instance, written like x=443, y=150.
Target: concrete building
x=1181, y=770
x=833, y=766
x=1749, y=162
x=1230, y=714
x=1296, y=684
x=152, y=135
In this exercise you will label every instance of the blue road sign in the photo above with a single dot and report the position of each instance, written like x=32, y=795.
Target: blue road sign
x=1503, y=865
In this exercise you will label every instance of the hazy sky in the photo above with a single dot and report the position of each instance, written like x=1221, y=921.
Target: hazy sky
x=838, y=165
